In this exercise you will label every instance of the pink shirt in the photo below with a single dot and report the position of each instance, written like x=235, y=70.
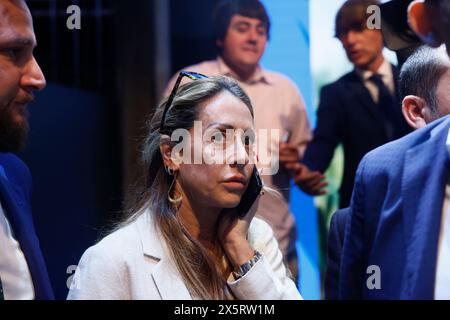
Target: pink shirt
x=277, y=104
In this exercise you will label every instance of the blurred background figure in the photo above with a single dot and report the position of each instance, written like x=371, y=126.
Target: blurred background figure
x=361, y=110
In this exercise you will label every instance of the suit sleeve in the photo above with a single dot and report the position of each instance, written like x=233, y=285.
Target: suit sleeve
x=268, y=279
x=351, y=281
x=328, y=132
x=334, y=253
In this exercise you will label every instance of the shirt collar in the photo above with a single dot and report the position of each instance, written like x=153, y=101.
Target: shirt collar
x=385, y=71
x=260, y=75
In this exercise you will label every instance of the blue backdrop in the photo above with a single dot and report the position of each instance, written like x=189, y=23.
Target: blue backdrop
x=289, y=52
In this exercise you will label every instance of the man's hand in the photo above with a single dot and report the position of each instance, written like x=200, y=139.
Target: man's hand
x=289, y=156
x=311, y=182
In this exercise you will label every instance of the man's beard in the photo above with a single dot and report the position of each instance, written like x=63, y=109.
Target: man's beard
x=13, y=135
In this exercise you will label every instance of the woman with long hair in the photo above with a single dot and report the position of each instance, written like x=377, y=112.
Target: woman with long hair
x=183, y=240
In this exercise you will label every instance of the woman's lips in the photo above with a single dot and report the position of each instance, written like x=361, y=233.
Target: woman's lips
x=236, y=182
x=234, y=185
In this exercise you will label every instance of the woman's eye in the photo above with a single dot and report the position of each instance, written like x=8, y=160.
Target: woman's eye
x=248, y=139
x=217, y=137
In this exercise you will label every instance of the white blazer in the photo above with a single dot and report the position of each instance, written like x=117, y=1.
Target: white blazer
x=132, y=263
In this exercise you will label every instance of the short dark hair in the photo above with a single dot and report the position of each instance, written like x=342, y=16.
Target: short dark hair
x=226, y=9
x=352, y=15
x=421, y=73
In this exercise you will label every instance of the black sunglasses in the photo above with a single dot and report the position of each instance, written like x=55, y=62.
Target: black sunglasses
x=191, y=75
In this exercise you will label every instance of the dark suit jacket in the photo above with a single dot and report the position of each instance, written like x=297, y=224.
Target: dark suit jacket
x=334, y=252
x=347, y=114
x=395, y=217
x=15, y=196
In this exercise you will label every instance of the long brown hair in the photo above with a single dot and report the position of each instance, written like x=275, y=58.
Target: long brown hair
x=197, y=269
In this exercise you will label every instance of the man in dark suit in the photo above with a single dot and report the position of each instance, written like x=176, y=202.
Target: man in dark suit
x=361, y=110
x=398, y=225
x=23, y=274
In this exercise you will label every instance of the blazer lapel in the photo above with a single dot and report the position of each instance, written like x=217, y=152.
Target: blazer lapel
x=426, y=170
x=165, y=275
x=13, y=206
x=17, y=212
x=169, y=282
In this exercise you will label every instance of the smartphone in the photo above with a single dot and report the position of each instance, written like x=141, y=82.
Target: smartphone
x=250, y=195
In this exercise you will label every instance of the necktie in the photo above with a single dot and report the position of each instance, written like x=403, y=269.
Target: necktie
x=387, y=104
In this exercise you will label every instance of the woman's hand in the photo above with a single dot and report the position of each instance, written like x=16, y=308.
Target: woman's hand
x=232, y=234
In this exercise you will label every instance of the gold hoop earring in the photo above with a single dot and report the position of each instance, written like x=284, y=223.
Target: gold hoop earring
x=174, y=201
x=169, y=170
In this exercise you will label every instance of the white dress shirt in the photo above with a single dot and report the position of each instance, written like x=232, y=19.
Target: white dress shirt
x=14, y=273
x=442, y=282
x=385, y=71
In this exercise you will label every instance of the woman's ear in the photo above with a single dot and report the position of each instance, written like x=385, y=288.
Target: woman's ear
x=166, y=153
x=420, y=21
x=414, y=108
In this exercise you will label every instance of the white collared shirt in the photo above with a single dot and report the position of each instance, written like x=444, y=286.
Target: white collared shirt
x=14, y=272
x=385, y=71
x=442, y=282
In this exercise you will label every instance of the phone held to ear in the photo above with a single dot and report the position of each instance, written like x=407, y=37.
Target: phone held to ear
x=250, y=195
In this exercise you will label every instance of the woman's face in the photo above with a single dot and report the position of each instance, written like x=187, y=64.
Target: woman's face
x=226, y=143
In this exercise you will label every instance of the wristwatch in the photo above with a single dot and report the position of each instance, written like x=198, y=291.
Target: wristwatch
x=245, y=267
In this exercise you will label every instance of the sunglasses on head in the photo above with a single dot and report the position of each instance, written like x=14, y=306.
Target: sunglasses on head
x=189, y=74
